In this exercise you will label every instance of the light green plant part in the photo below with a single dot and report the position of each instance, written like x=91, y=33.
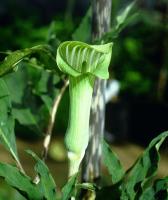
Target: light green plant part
x=83, y=63
x=7, y=136
x=78, y=58
x=42, y=53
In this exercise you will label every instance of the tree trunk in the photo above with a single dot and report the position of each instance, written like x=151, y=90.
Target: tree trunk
x=101, y=18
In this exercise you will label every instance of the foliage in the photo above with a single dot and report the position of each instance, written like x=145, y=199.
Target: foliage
x=68, y=189
x=7, y=136
x=45, y=189
x=42, y=52
x=137, y=182
x=35, y=85
x=112, y=163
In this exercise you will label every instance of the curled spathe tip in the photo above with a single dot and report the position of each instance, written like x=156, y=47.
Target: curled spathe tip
x=77, y=58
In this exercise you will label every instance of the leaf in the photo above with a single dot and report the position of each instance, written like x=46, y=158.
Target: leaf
x=20, y=182
x=48, y=101
x=161, y=184
x=140, y=175
x=36, y=89
x=137, y=182
x=112, y=163
x=161, y=188
x=45, y=88
x=158, y=190
x=44, y=189
x=80, y=33
x=41, y=52
x=76, y=58
x=25, y=109
x=68, y=189
x=148, y=194
x=7, y=136
x=46, y=184
x=16, y=83
x=122, y=16
x=26, y=118
x=123, y=19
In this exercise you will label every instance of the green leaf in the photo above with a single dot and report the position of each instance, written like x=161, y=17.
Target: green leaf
x=45, y=86
x=36, y=89
x=16, y=83
x=76, y=58
x=112, y=163
x=41, y=52
x=68, y=189
x=25, y=109
x=148, y=194
x=161, y=188
x=42, y=83
x=20, y=182
x=80, y=33
x=48, y=101
x=161, y=184
x=46, y=184
x=26, y=118
x=7, y=136
x=44, y=189
x=158, y=190
x=123, y=15
x=123, y=19
x=140, y=175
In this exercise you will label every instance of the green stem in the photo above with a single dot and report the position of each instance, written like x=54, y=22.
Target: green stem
x=77, y=135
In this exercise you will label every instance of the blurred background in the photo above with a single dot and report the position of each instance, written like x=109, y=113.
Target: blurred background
x=134, y=115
